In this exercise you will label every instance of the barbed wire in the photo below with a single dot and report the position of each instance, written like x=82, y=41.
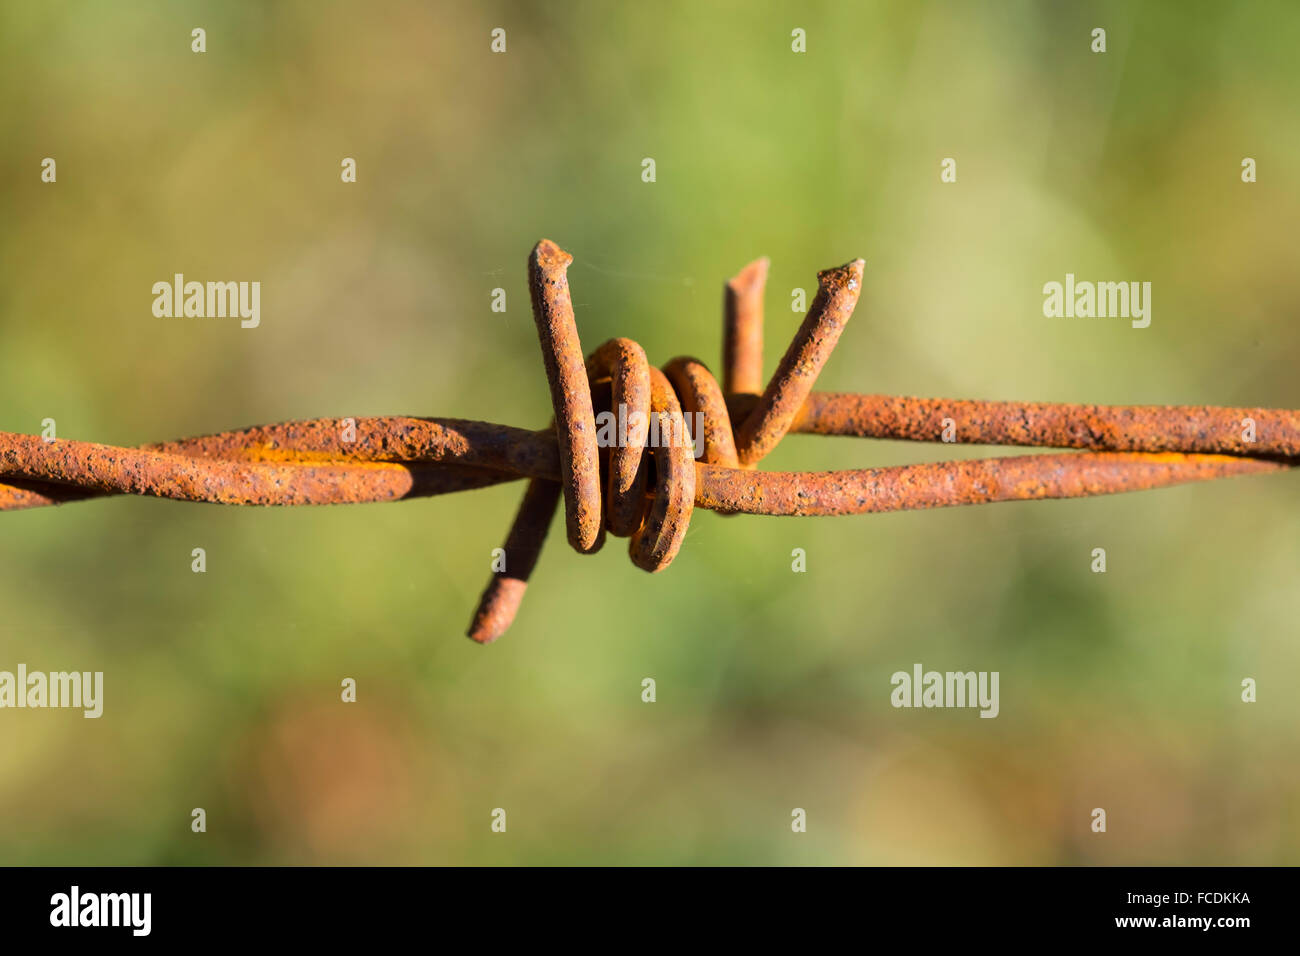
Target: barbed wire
x=644, y=488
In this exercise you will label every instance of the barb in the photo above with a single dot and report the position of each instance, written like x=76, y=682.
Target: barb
x=645, y=488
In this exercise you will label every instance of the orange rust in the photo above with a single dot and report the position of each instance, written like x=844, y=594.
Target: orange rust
x=1187, y=428
x=703, y=399
x=952, y=483
x=742, y=329
x=766, y=425
x=651, y=496
x=657, y=541
x=575, y=422
x=500, y=602
x=624, y=363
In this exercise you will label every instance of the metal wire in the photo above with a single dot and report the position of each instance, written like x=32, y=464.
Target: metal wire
x=644, y=489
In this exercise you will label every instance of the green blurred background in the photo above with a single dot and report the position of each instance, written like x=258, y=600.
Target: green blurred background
x=1118, y=690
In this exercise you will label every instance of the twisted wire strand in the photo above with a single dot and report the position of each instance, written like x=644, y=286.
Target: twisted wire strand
x=647, y=491
x=37, y=474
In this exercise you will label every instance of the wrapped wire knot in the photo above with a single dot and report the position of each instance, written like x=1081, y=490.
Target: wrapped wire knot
x=646, y=490
x=654, y=512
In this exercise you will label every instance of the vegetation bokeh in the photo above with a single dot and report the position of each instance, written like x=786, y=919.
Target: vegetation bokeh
x=1118, y=690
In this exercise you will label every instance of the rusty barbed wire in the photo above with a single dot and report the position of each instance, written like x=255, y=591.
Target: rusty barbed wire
x=646, y=490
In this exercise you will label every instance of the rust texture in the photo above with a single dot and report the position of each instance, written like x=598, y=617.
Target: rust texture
x=500, y=602
x=1201, y=428
x=645, y=482
x=625, y=364
x=742, y=329
x=911, y=487
x=766, y=425
x=575, y=421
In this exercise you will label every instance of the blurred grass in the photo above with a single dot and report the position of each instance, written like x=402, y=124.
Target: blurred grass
x=1118, y=690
